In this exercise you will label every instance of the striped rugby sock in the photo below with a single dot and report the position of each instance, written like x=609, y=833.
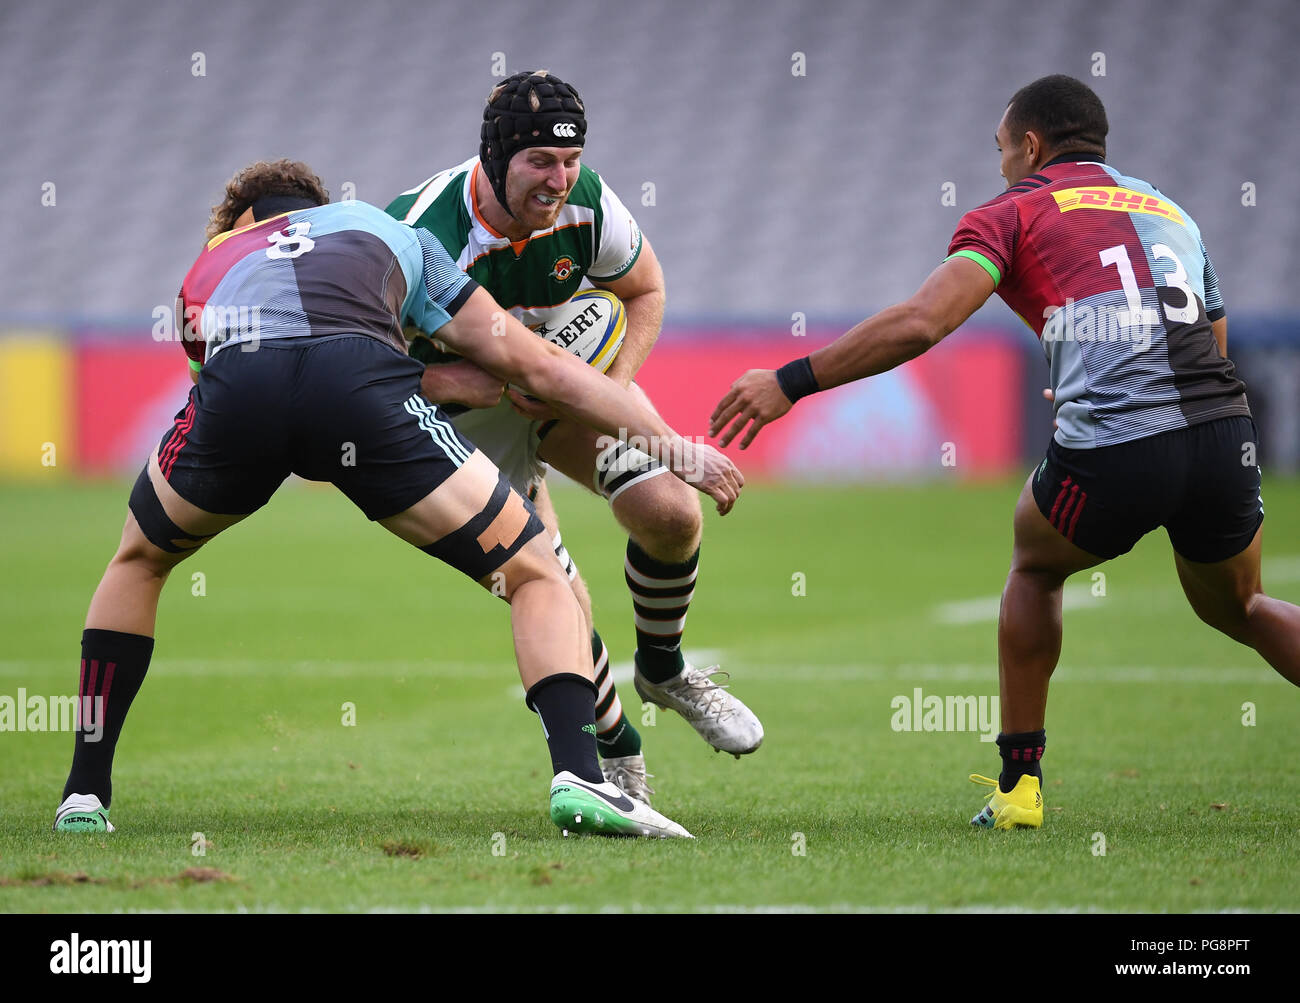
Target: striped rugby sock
x=615, y=735
x=1021, y=754
x=661, y=595
x=113, y=666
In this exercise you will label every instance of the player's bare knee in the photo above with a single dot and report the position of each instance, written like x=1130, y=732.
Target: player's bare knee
x=684, y=519
x=664, y=520
x=675, y=531
x=1228, y=622
x=1229, y=614
x=145, y=559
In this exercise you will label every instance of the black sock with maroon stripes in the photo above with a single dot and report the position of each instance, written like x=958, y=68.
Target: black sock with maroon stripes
x=113, y=666
x=661, y=595
x=1021, y=754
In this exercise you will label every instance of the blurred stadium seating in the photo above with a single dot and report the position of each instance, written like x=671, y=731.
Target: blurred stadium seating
x=765, y=193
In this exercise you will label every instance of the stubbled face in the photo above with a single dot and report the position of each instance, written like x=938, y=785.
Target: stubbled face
x=1017, y=162
x=538, y=182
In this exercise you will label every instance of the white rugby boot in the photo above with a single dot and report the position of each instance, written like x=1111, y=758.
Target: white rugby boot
x=721, y=720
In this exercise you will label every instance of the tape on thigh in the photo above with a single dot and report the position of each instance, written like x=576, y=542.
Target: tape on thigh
x=619, y=467
x=489, y=539
x=154, y=521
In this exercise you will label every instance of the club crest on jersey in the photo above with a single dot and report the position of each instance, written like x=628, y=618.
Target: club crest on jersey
x=562, y=268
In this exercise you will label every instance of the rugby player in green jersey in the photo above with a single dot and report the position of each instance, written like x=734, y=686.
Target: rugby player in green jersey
x=528, y=221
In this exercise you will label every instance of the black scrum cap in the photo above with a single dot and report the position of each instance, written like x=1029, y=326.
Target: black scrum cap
x=528, y=109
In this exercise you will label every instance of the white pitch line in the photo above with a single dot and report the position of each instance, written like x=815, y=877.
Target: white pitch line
x=1281, y=570
x=985, y=608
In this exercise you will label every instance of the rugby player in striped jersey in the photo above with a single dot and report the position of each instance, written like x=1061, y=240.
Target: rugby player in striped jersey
x=1153, y=428
x=295, y=314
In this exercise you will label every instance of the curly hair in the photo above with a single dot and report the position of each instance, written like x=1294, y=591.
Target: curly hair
x=274, y=177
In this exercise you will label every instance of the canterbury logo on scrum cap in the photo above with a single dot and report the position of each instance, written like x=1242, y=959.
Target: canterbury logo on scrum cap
x=565, y=130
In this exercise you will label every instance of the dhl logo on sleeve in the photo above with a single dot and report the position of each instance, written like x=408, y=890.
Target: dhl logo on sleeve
x=1115, y=200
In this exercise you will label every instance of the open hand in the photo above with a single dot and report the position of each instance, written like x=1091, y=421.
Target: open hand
x=755, y=399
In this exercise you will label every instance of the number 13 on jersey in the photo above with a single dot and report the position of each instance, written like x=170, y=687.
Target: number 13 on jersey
x=1135, y=315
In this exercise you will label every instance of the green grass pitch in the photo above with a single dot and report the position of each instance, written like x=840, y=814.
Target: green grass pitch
x=436, y=797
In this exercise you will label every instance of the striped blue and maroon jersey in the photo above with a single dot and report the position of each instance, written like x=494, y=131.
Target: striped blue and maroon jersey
x=1114, y=279
x=343, y=268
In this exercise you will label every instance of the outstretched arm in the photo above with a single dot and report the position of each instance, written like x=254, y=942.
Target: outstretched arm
x=951, y=293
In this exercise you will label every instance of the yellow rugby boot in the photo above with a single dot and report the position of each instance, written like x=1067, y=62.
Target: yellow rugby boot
x=1023, y=806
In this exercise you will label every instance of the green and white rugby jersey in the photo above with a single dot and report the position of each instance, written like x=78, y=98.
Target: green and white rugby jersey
x=594, y=236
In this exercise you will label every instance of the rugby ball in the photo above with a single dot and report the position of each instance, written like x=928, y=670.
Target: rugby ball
x=591, y=326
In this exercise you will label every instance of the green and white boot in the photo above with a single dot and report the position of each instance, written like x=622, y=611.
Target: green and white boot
x=604, y=810
x=82, y=813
